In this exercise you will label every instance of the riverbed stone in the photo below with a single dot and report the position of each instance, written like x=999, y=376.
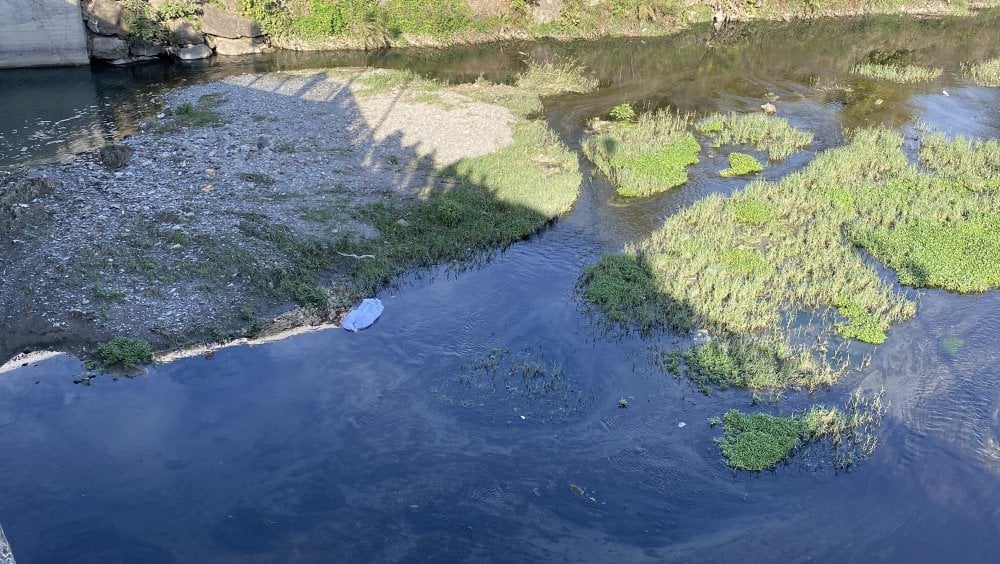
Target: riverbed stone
x=194, y=52
x=146, y=50
x=6, y=554
x=220, y=23
x=546, y=11
x=103, y=17
x=108, y=48
x=241, y=46
x=185, y=32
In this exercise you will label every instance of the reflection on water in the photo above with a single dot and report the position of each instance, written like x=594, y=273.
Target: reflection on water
x=404, y=443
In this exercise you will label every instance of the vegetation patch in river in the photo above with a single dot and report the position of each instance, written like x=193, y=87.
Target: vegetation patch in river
x=760, y=441
x=741, y=164
x=903, y=74
x=550, y=78
x=769, y=134
x=986, y=73
x=125, y=353
x=645, y=157
x=746, y=267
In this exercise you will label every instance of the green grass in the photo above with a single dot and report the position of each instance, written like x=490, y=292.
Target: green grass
x=646, y=157
x=725, y=363
x=769, y=134
x=200, y=114
x=760, y=441
x=777, y=261
x=550, y=78
x=125, y=353
x=741, y=164
x=900, y=73
x=986, y=73
x=623, y=287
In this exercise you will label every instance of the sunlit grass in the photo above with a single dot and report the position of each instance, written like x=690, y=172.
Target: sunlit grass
x=646, y=157
x=741, y=164
x=986, y=73
x=749, y=266
x=549, y=78
x=903, y=74
x=770, y=134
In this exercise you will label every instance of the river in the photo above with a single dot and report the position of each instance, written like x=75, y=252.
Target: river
x=400, y=443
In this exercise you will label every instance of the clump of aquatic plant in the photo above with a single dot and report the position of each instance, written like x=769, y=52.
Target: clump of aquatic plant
x=645, y=157
x=622, y=112
x=124, y=352
x=769, y=134
x=741, y=164
x=549, y=78
x=903, y=74
x=986, y=73
x=623, y=287
x=748, y=266
x=760, y=441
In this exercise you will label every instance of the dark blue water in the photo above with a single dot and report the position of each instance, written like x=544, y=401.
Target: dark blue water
x=402, y=444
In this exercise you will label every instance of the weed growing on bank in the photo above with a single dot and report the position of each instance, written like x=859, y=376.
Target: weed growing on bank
x=768, y=134
x=646, y=157
x=751, y=268
x=903, y=74
x=124, y=353
x=986, y=73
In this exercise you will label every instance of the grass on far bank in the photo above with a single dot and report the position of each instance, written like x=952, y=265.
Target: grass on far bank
x=760, y=441
x=778, y=260
x=903, y=74
x=769, y=134
x=645, y=157
x=986, y=73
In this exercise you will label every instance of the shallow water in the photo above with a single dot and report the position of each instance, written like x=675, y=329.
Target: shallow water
x=392, y=445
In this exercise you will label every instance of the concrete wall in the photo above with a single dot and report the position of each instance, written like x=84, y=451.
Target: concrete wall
x=41, y=32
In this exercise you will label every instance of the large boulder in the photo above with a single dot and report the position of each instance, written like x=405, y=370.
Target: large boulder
x=104, y=17
x=185, y=33
x=218, y=22
x=108, y=48
x=241, y=46
x=194, y=52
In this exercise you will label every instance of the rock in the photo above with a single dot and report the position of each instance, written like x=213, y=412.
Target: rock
x=264, y=141
x=218, y=22
x=6, y=556
x=108, y=48
x=185, y=33
x=546, y=10
x=769, y=108
x=147, y=50
x=104, y=17
x=242, y=46
x=194, y=52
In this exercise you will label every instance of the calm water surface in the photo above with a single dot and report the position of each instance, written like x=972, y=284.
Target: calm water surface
x=395, y=445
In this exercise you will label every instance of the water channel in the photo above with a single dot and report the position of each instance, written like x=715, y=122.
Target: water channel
x=391, y=445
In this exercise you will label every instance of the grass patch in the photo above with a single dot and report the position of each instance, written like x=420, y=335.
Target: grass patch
x=622, y=286
x=986, y=73
x=769, y=134
x=125, y=353
x=742, y=270
x=200, y=114
x=645, y=157
x=900, y=73
x=741, y=164
x=760, y=441
x=551, y=78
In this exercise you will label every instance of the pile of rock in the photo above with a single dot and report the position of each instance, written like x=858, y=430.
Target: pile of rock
x=209, y=30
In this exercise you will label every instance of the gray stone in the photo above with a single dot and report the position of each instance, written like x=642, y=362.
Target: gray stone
x=147, y=50
x=194, y=52
x=546, y=10
x=6, y=555
x=185, y=33
x=218, y=22
x=103, y=17
x=108, y=48
x=241, y=46
x=769, y=108
x=264, y=141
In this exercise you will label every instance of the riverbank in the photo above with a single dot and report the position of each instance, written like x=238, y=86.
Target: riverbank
x=261, y=203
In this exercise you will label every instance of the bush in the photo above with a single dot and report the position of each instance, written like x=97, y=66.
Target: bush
x=623, y=112
x=125, y=353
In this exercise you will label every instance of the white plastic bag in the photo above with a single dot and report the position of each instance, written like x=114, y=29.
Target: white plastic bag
x=364, y=315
